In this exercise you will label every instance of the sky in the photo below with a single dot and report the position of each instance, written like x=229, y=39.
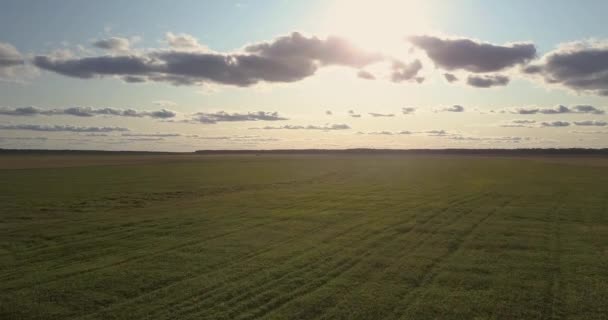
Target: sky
x=282, y=74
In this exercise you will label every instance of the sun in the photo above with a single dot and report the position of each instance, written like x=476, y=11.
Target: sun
x=382, y=24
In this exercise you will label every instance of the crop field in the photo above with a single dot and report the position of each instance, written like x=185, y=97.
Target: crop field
x=303, y=237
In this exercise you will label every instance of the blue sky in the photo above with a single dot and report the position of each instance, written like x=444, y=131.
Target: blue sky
x=67, y=31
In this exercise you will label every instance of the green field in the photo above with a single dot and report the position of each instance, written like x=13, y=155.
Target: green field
x=304, y=237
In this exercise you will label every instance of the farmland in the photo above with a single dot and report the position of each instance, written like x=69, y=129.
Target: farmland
x=303, y=237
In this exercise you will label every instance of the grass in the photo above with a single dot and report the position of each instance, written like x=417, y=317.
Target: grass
x=304, y=237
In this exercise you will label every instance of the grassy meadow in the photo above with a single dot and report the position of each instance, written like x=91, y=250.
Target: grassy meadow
x=303, y=237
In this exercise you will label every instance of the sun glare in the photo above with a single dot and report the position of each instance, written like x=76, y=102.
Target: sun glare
x=381, y=24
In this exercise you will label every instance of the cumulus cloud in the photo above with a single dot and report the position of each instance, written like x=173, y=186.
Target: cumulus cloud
x=580, y=66
x=59, y=128
x=223, y=116
x=308, y=127
x=402, y=71
x=560, y=109
x=12, y=63
x=555, y=124
x=87, y=112
x=183, y=41
x=113, y=44
x=365, y=75
x=285, y=59
x=591, y=123
x=450, y=77
x=376, y=115
x=454, y=108
x=487, y=81
x=408, y=110
x=473, y=56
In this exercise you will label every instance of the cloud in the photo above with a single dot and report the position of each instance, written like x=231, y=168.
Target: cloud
x=450, y=77
x=285, y=59
x=183, y=41
x=157, y=135
x=408, y=110
x=164, y=103
x=223, y=116
x=580, y=66
x=519, y=124
x=87, y=112
x=113, y=44
x=513, y=139
x=366, y=75
x=308, y=127
x=560, y=109
x=454, y=108
x=487, y=81
x=591, y=123
x=12, y=63
x=473, y=56
x=376, y=115
x=436, y=133
x=556, y=124
x=59, y=128
x=353, y=114
x=390, y=133
x=406, y=71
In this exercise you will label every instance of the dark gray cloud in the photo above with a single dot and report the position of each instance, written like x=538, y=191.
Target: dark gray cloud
x=308, y=127
x=473, y=56
x=87, y=112
x=591, y=123
x=376, y=115
x=402, y=71
x=560, y=109
x=59, y=128
x=408, y=110
x=113, y=43
x=555, y=124
x=222, y=116
x=450, y=77
x=581, y=67
x=487, y=81
x=366, y=75
x=285, y=59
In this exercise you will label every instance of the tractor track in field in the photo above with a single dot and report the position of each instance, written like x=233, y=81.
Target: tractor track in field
x=432, y=270
x=552, y=299
x=195, y=299
x=418, y=245
x=219, y=286
x=194, y=242
x=361, y=254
